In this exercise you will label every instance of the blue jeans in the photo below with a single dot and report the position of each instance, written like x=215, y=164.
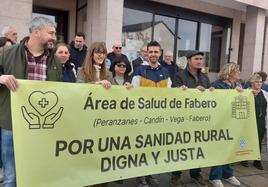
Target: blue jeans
x=8, y=159
x=218, y=172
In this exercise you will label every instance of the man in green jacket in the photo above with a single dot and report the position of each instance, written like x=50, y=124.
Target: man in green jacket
x=30, y=60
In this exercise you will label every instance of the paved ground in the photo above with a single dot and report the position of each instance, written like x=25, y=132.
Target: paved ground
x=249, y=177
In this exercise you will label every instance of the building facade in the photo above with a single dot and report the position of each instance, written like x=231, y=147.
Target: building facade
x=226, y=31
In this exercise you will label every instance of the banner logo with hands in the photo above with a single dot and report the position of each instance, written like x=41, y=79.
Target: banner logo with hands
x=45, y=114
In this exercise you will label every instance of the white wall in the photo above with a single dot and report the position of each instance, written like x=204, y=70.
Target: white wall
x=16, y=13
x=256, y=3
x=104, y=21
x=253, y=41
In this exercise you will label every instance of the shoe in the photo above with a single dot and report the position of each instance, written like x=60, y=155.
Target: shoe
x=1, y=175
x=257, y=164
x=152, y=180
x=142, y=182
x=119, y=181
x=176, y=181
x=216, y=183
x=232, y=180
x=244, y=163
x=199, y=180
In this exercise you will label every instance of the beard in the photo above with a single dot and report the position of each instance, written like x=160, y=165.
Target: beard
x=153, y=60
x=50, y=45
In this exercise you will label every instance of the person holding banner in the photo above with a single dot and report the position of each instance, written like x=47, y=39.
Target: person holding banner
x=94, y=68
x=63, y=53
x=255, y=83
x=191, y=77
x=229, y=77
x=119, y=72
x=30, y=59
x=151, y=75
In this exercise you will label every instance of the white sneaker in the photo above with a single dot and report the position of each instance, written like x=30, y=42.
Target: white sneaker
x=233, y=181
x=216, y=183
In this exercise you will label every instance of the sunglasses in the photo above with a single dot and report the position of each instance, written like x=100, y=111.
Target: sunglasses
x=118, y=47
x=121, y=65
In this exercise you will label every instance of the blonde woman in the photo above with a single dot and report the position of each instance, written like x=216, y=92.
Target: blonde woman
x=229, y=77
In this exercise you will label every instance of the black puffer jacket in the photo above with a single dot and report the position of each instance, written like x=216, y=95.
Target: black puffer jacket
x=77, y=57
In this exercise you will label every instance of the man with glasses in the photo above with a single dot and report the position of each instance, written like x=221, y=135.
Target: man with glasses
x=117, y=51
x=191, y=77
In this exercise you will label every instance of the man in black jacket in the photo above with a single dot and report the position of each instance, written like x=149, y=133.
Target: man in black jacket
x=191, y=77
x=169, y=64
x=78, y=50
x=117, y=51
x=143, y=57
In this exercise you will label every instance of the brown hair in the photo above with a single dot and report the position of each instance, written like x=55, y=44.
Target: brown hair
x=88, y=71
x=59, y=45
x=263, y=75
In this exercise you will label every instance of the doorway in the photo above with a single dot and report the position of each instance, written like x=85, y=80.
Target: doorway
x=59, y=16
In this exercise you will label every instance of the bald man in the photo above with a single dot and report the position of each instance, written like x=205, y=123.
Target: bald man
x=169, y=64
x=117, y=51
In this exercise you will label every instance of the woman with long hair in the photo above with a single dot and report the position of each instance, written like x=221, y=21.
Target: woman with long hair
x=94, y=68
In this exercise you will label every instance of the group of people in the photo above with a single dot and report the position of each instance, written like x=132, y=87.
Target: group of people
x=32, y=59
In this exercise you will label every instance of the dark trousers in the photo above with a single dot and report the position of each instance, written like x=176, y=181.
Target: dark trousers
x=261, y=130
x=193, y=172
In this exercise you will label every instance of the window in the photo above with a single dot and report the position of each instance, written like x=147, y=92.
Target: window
x=164, y=32
x=187, y=31
x=59, y=16
x=137, y=31
x=205, y=42
x=177, y=29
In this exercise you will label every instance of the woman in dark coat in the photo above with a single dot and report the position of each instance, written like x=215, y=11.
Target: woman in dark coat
x=255, y=83
x=120, y=69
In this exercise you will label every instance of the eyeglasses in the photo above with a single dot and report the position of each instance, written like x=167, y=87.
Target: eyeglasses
x=121, y=65
x=99, y=52
x=118, y=48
